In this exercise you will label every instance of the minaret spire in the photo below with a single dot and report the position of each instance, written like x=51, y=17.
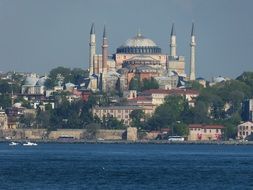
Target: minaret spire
x=104, y=33
x=104, y=51
x=193, y=32
x=92, y=49
x=173, y=43
x=173, y=32
x=193, y=54
x=92, y=30
x=105, y=67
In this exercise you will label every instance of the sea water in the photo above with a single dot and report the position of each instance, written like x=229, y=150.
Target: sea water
x=126, y=166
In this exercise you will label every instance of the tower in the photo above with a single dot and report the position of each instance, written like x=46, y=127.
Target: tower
x=173, y=43
x=92, y=50
x=192, y=58
x=104, y=52
x=103, y=76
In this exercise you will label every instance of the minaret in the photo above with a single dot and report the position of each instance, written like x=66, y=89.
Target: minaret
x=173, y=43
x=92, y=45
x=104, y=52
x=192, y=59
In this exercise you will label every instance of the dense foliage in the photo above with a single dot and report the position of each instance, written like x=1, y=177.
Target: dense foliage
x=217, y=104
x=145, y=84
x=8, y=87
x=76, y=114
x=65, y=75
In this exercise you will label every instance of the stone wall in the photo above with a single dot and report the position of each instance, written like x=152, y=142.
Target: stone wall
x=82, y=134
x=132, y=134
x=78, y=134
x=110, y=134
x=24, y=133
x=149, y=135
x=67, y=133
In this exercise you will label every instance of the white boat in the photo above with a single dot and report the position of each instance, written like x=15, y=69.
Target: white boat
x=30, y=144
x=13, y=144
x=176, y=138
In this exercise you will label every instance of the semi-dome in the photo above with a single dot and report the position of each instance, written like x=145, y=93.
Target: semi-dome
x=41, y=81
x=31, y=81
x=139, y=45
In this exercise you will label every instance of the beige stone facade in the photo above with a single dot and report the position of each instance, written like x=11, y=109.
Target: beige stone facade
x=138, y=57
x=123, y=57
x=3, y=120
x=205, y=132
x=244, y=130
x=118, y=112
x=132, y=134
x=39, y=134
x=20, y=134
x=67, y=133
x=81, y=134
x=176, y=63
x=158, y=95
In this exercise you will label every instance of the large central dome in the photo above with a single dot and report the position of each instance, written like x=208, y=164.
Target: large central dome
x=139, y=41
x=139, y=45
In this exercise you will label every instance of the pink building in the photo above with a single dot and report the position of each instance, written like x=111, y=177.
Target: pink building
x=205, y=132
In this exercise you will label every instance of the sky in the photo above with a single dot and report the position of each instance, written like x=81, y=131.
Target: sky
x=39, y=35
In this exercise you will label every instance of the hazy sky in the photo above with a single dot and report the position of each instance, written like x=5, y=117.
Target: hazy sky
x=38, y=35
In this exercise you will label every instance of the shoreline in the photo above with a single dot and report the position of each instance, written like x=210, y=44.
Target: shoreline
x=75, y=141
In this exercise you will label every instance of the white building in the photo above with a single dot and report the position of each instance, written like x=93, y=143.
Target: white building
x=33, y=85
x=158, y=95
x=244, y=130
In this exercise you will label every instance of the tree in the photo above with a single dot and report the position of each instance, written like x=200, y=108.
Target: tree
x=180, y=129
x=66, y=75
x=92, y=130
x=43, y=119
x=28, y=120
x=145, y=84
x=77, y=75
x=135, y=84
x=137, y=117
x=195, y=85
x=247, y=78
x=167, y=114
x=150, y=84
x=104, y=100
x=5, y=101
x=5, y=87
x=199, y=113
x=110, y=122
x=24, y=103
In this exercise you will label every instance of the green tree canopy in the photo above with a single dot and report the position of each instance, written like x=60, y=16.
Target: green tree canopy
x=137, y=117
x=65, y=75
x=145, y=84
x=149, y=84
x=135, y=84
x=168, y=113
x=110, y=122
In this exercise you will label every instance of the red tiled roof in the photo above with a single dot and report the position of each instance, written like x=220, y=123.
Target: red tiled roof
x=195, y=126
x=141, y=99
x=206, y=126
x=165, y=129
x=214, y=126
x=171, y=91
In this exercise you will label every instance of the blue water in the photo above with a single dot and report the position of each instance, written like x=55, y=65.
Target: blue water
x=126, y=166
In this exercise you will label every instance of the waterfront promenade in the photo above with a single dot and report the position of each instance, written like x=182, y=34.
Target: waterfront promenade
x=233, y=142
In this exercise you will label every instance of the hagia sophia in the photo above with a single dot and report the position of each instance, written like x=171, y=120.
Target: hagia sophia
x=139, y=57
